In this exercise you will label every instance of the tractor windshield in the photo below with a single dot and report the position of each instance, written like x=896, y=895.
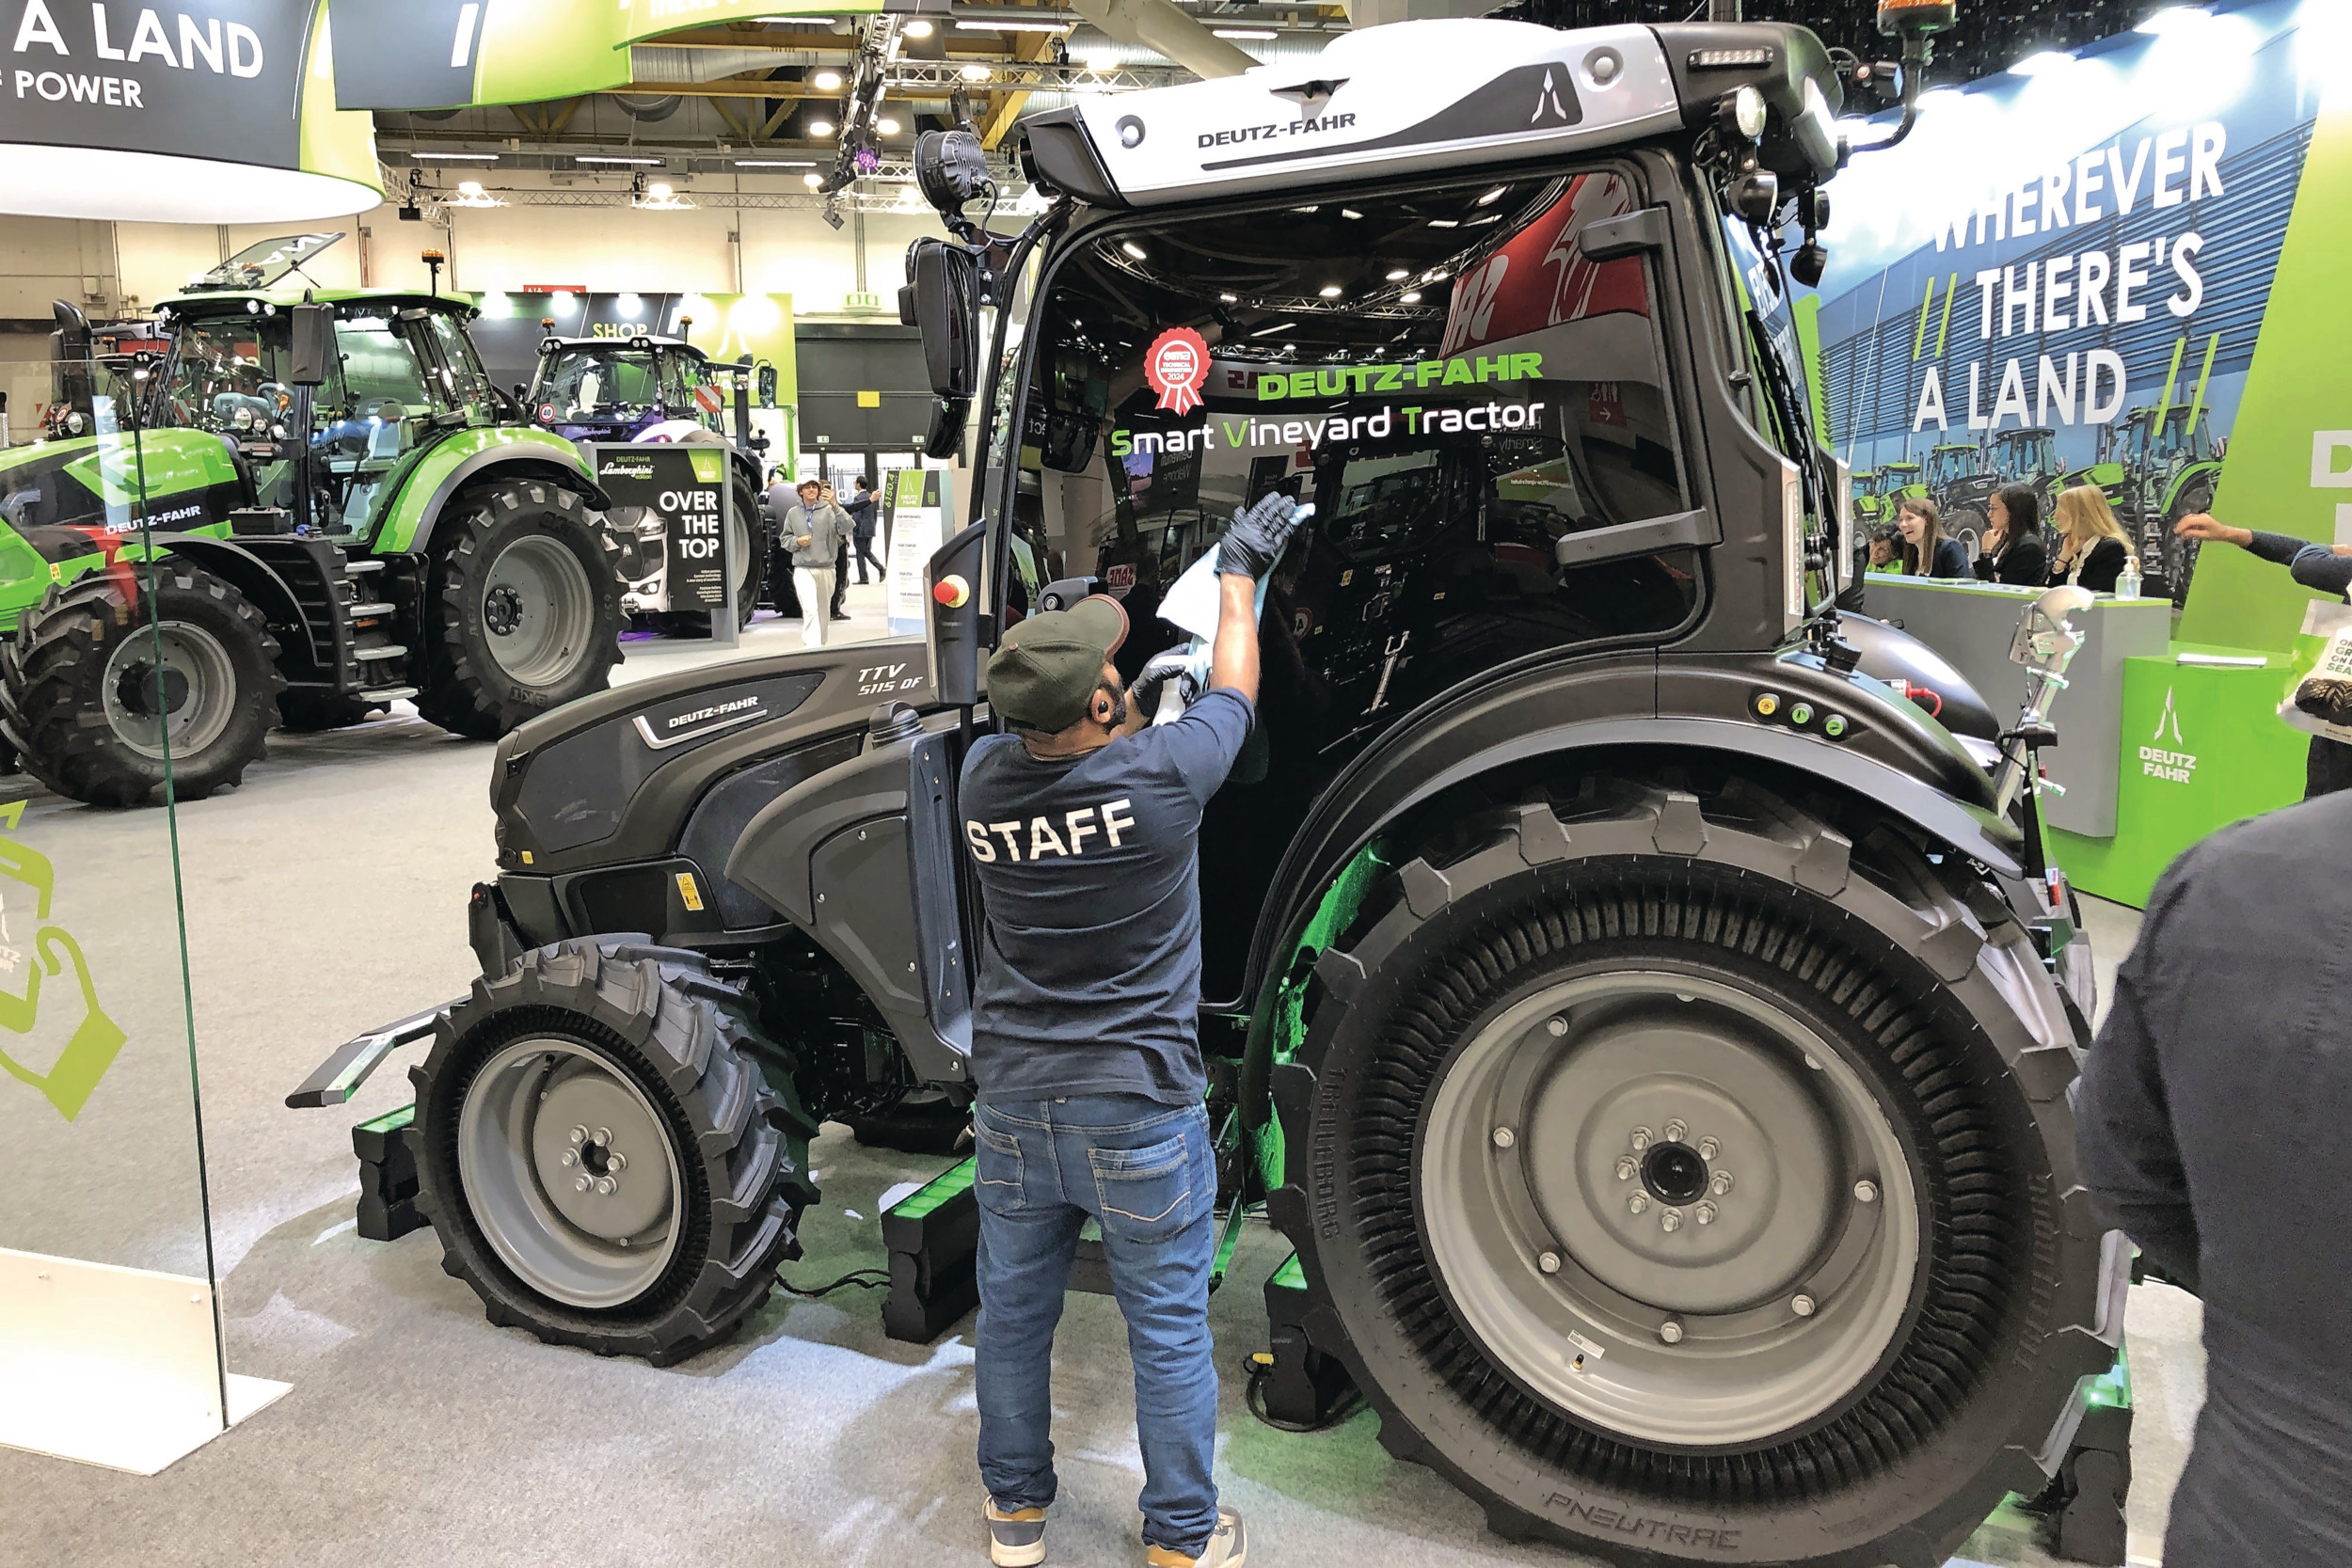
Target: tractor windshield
x=1457, y=388
x=589, y=382
x=229, y=375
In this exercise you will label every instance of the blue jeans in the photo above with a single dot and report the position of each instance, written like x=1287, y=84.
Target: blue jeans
x=1147, y=1173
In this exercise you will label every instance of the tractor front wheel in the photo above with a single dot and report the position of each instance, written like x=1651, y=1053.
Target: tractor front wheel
x=98, y=692
x=523, y=610
x=602, y=1157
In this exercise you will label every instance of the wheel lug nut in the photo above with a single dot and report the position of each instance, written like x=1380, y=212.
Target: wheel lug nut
x=580, y=1185
x=604, y=1135
x=1677, y=1131
x=1704, y=1214
x=1865, y=1191
x=1671, y=1221
x=1504, y=1137
x=1641, y=1139
x=1720, y=1183
x=605, y=1185
x=569, y=1158
x=1638, y=1202
x=620, y=1162
x=1548, y=1261
x=579, y=1134
x=1626, y=1167
x=1708, y=1148
x=1671, y=1332
x=1802, y=1307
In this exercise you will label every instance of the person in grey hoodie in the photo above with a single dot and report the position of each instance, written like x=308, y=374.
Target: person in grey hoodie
x=813, y=529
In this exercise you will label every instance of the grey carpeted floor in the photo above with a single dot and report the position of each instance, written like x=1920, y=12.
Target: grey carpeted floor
x=326, y=894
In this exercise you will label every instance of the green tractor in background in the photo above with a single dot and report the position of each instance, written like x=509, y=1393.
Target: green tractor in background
x=333, y=507
x=1960, y=480
x=2157, y=465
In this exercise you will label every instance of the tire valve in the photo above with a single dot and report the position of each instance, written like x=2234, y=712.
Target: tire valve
x=1548, y=1261
x=1504, y=1137
x=1555, y=1027
x=1671, y=1332
x=1866, y=1191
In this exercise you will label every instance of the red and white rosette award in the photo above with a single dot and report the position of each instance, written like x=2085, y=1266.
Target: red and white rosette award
x=1178, y=368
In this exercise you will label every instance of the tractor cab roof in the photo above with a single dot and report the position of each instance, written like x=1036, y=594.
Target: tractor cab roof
x=2034, y=435
x=641, y=341
x=1420, y=97
x=1903, y=468
x=242, y=303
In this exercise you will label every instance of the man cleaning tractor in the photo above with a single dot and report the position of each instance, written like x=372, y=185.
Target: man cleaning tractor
x=1084, y=828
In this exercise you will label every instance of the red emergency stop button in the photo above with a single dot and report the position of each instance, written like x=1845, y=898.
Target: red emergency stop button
x=953, y=591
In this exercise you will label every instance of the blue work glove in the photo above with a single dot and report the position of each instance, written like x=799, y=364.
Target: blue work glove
x=1258, y=537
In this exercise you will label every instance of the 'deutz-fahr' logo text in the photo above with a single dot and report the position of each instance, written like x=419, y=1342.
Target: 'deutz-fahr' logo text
x=2157, y=763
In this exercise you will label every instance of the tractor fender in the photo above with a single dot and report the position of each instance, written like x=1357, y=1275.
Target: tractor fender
x=259, y=582
x=862, y=859
x=1890, y=754
x=518, y=460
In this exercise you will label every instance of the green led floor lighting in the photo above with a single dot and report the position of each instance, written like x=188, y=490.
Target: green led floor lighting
x=938, y=1190
x=390, y=1121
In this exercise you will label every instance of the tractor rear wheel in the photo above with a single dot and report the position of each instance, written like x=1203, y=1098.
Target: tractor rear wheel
x=600, y=1155
x=523, y=607
x=96, y=690
x=1694, y=1184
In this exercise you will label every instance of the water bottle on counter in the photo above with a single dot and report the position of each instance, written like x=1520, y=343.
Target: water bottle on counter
x=2127, y=582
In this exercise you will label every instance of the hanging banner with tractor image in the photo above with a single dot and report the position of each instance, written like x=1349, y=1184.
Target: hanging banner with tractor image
x=2061, y=279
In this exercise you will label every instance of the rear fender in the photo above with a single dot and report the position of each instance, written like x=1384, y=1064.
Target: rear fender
x=1891, y=753
x=863, y=858
x=413, y=510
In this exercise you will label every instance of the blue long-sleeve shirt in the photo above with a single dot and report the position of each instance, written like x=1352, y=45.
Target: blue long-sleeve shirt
x=2315, y=566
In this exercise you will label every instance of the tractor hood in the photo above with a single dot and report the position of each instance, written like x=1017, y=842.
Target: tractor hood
x=186, y=472
x=612, y=776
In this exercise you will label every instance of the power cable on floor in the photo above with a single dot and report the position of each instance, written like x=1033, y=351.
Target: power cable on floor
x=864, y=1279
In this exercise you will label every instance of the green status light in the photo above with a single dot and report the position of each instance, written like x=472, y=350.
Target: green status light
x=1834, y=726
x=1800, y=714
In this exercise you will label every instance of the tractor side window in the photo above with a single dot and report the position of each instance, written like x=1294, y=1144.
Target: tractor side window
x=370, y=416
x=464, y=381
x=228, y=376
x=582, y=384
x=1457, y=388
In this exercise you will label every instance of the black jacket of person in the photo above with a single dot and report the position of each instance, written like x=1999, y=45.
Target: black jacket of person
x=2022, y=561
x=2203, y=1100
x=861, y=512
x=2101, y=567
x=1951, y=560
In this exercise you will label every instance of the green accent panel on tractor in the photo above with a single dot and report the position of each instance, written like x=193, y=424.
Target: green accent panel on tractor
x=1332, y=918
x=2300, y=382
x=2202, y=748
x=948, y=1183
x=334, y=141
x=1290, y=1276
x=1808, y=315
x=395, y=528
x=172, y=461
x=390, y=1121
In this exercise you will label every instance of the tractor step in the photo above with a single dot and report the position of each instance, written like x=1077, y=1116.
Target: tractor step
x=2082, y=1509
x=354, y=568
x=389, y=650
x=361, y=611
x=386, y=693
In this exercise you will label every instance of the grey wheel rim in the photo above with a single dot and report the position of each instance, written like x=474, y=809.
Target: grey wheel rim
x=195, y=703
x=538, y=608
x=570, y=1173
x=1572, y=1125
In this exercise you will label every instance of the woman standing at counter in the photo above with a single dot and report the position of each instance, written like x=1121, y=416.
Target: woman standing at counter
x=2320, y=567
x=2092, y=546
x=1926, y=552
x=2010, y=550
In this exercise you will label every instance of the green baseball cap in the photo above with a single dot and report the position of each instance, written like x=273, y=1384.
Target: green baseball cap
x=1045, y=672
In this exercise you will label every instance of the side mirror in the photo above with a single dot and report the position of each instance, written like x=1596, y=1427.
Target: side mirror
x=313, y=347
x=941, y=296
x=946, y=438
x=766, y=386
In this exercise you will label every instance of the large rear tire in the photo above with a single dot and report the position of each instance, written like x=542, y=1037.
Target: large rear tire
x=91, y=708
x=601, y=1156
x=523, y=607
x=1840, y=1073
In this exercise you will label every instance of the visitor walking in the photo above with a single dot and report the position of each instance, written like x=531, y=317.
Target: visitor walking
x=813, y=529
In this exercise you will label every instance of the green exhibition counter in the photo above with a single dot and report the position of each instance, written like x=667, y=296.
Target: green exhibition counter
x=2156, y=748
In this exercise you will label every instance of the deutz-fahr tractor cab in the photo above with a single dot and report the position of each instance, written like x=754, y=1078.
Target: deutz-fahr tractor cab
x=339, y=508
x=655, y=388
x=1652, y=1031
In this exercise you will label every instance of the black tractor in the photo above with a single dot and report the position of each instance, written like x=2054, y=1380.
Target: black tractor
x=1652, y=1030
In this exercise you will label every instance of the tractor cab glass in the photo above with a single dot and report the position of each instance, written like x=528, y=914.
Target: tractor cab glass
x=458, y=369
x=592, y=383
x=1460, y=392
x=230, y=377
